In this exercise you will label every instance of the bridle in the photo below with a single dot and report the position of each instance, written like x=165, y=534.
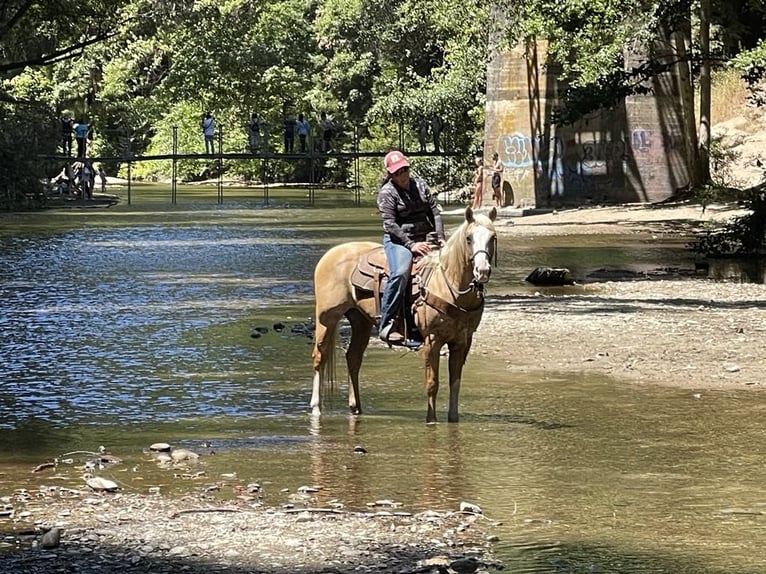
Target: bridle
x=474, y=285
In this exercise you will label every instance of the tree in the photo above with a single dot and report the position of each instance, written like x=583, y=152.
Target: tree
x=589, y=40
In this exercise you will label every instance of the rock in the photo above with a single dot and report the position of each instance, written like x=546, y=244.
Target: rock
x=100, y=484
x=182, y=454
x=465, y=565
x=160, y=447
x=468, y=507
x=51, y=539
x=549, y=276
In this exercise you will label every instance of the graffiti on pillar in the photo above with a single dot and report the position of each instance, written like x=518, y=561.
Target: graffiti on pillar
x=641, y=140
x=517, y=151
x=568, y=165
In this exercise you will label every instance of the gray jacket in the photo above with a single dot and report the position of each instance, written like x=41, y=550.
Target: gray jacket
x=409, y=214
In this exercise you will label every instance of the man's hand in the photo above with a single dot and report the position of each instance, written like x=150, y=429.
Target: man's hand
x=421, y=248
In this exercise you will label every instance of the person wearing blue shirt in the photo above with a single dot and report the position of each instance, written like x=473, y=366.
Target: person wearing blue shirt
x=303, y=132
x=81, y=133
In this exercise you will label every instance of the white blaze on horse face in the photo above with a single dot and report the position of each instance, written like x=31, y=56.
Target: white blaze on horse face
x=482, y=243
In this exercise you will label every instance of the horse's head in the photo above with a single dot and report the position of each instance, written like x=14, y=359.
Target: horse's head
x=481, y=243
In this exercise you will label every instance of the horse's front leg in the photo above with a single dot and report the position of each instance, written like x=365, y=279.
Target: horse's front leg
x=431, y=352
x=457, y=356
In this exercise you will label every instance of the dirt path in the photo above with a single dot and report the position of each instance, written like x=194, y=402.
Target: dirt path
x=685, y=332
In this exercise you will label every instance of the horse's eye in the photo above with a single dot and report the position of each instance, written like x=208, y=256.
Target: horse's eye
x=469, y=239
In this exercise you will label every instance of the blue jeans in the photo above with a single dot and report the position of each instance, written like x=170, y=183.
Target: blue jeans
x=399, y=263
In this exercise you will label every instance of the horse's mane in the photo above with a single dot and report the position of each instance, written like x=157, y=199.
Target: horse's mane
x=454, y=255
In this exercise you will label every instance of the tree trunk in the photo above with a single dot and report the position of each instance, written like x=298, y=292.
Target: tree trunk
x=703, y=159
x=680, y=40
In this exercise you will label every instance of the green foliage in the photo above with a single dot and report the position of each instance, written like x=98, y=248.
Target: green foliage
x=741, y=237
x=752, y=66
x=135, y=69
x=21, y=172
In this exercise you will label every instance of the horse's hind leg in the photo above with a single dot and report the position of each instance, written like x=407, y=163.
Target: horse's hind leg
x=324, y=343
x=360, y=338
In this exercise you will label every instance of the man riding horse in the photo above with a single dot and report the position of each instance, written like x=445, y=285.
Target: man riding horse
x=410, y=214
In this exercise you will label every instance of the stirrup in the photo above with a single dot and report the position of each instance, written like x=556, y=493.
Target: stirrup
x=388, y=335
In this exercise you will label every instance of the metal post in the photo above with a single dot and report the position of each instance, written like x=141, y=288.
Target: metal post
x=128, y=150
x=312, y=177
x=357, y=192
x=174, y=169
x=219, y=162
x=265, y=180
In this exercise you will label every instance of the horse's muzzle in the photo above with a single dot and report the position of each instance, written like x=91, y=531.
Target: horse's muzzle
x=481, y=275
x=482, y=269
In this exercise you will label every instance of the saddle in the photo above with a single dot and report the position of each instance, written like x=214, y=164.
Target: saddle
x=370, y=275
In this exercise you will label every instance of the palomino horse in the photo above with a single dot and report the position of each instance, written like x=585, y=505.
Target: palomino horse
x=447, y=311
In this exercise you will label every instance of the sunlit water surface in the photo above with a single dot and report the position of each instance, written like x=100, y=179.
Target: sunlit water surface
x=133, y=325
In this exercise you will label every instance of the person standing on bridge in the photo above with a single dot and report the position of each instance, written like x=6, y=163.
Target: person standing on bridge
x=303, y=132
x=422, y=133
x=328, y=131
x=289, y=125
x=81, y=133
x=436, y=130
x=207, y=125
x=254, y=133
x=67, y=128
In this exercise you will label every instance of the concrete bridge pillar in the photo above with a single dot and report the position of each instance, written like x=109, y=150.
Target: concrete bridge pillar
x=633, y=153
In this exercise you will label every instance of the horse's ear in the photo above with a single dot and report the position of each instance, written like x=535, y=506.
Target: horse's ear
x=469, y=214
x=492, y=214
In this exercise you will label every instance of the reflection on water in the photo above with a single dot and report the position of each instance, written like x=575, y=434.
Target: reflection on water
x=131, y=327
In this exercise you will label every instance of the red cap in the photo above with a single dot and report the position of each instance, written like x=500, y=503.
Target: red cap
x=395, y=160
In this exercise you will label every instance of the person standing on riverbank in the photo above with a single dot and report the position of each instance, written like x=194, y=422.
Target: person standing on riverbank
x=497, y=180
x=477, y=185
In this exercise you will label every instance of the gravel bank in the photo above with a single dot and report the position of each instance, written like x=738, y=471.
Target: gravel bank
x=104, y=533
x=681, y=331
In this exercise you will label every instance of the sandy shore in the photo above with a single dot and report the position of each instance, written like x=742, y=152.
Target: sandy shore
x=684, y=331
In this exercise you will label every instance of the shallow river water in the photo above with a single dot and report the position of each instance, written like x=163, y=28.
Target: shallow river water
x=133, y=325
